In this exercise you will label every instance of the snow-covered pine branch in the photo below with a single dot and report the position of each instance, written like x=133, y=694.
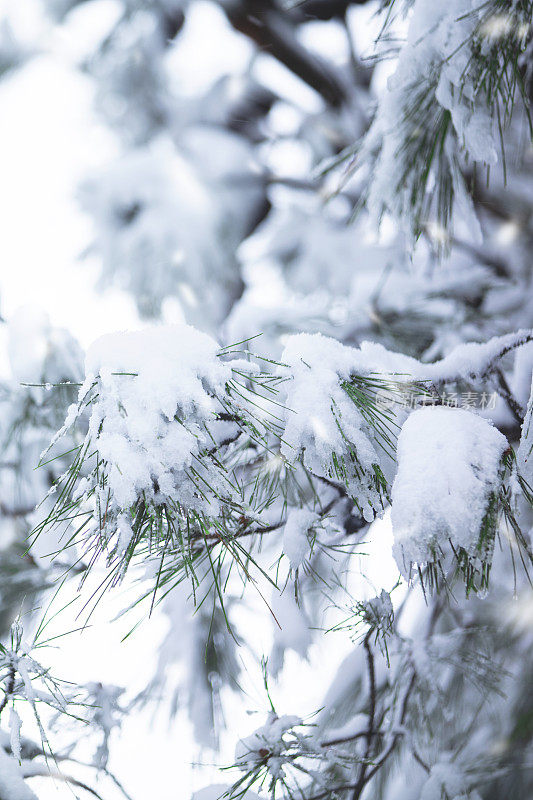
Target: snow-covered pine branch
x=458, y=77
x=185, y=448
x=189, y=471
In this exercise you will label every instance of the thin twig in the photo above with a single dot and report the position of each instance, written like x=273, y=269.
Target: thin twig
x=45, y=772
x=8, y=691
x=504, y=390
x=371, y=716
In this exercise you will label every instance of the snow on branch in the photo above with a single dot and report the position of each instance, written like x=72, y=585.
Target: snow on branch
x=525, y=450
x=161, y=415
x=334, y=422
x=12, y=784
x=25, y=681
x=474, y=360
x=277, y=755
x=182, y=447
x=456, y=82
x=445, y=495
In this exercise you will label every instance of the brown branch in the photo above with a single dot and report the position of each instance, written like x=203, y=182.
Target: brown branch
x=107, y=772
x=504, y=390
x=353, y=738
x=223, y=443
x=359, y=786
x=398, y=734
x=267, y=528
x=34, y=750
x=497, y=265
x=274, y=33
x=435, y=614
x=422, y=763
x=324, y=9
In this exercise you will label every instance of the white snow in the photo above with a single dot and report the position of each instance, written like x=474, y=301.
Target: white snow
x=379, y=609
x=156, y=390
x=355, y=725
x=148, y=422
x=266, y=741
x=12, y=785
x=448, y=466
x=296, y=544
x=216, y=791
x=446, y=779
x=15, y=724
x=292, y=629
x=520, y=380
x=321, y=420
x=525, y=449
x=467, y=361
x=473, y=359
x=436, y=68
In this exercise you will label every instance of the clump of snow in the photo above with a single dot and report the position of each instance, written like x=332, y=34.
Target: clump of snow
x=353, y=727
x=155, y=396
x=12, y=784
x=296, y=542
x=466, y=361
x=473, y=359
x=323, y=425
x=449, y=463
x=445, y=779
x=435, y=74
x=15, y=725
x=520, y=380
x=267, y=744
x=378, y=611
x=525, y=449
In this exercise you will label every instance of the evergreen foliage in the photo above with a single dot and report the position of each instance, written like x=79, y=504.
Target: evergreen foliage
x=343, y=346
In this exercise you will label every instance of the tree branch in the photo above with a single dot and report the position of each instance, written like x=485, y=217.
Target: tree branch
x=504, y=390
x=8, y=691
x=371, y=716
x=274, y=33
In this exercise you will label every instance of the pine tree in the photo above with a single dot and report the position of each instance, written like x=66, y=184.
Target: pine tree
x=355, y=344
